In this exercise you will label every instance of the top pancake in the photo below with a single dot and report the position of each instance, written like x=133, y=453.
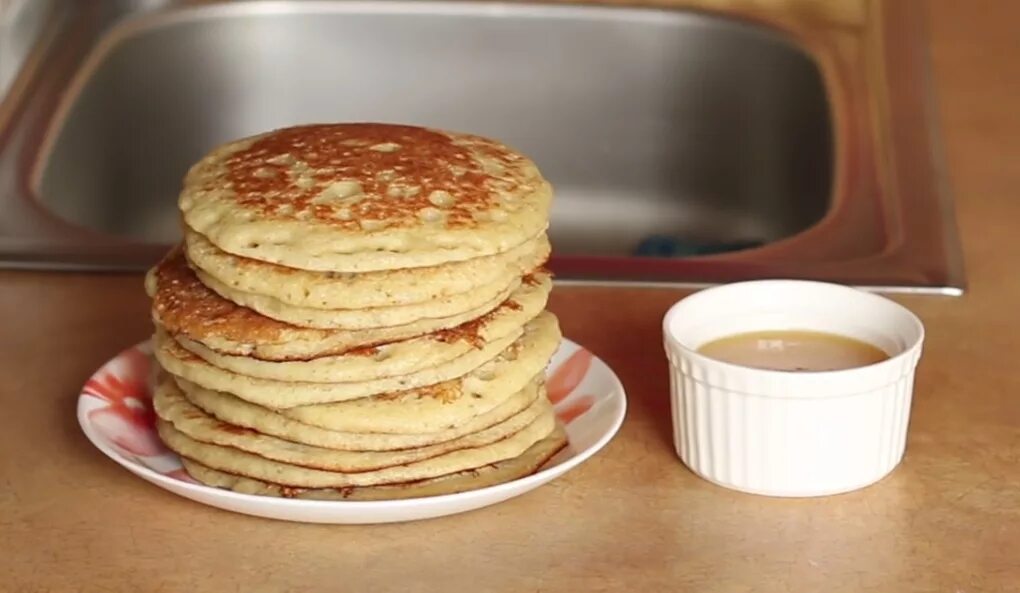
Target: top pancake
x=365, y=197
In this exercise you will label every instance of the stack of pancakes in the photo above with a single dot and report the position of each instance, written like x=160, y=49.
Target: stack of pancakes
x=357, y=312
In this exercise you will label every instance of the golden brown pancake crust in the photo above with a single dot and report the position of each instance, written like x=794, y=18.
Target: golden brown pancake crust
x=397, y=169
x=182, y=305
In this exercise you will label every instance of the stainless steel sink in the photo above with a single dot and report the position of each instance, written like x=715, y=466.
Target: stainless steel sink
x=684, y=146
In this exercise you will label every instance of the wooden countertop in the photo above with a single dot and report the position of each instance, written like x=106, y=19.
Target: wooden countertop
x=633, y=518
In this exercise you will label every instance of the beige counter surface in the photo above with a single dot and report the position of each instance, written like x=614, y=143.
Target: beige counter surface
x=633, y=518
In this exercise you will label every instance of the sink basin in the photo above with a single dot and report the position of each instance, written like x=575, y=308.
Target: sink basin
x=684, y=146
x=664, y=125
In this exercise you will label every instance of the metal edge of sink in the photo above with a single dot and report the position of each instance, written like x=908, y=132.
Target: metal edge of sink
x=877, y=164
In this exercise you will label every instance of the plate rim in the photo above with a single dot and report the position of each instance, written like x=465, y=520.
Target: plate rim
x=617, y=394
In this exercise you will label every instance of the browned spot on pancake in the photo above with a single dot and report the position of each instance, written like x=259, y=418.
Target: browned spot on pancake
x=534, y=278
x=444, y=392
x=393, y=395
x=363, y=351
x=186, y=306
x=395, y=169
x=291, y=491
x=234, y=429
x=470, y=332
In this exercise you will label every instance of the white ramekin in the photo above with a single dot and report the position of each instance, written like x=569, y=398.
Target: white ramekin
x=782, y=433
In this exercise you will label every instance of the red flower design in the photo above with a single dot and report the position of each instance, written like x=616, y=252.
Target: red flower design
x=181, y=474
x=574, y=409
x=564, y=381
x=127, y=420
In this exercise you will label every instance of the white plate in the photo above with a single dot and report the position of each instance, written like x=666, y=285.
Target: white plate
x=115, y=411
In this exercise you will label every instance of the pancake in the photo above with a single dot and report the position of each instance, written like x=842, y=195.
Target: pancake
x=442, y=406
x=326, y=290
x=238, y=412
x=365, y=197
x=395, y=358
x=507, y=470
x=171, y=405
x=415, y=413
x=241, y=463
x=372, y=318
x=186, y=308
x=288, y=394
